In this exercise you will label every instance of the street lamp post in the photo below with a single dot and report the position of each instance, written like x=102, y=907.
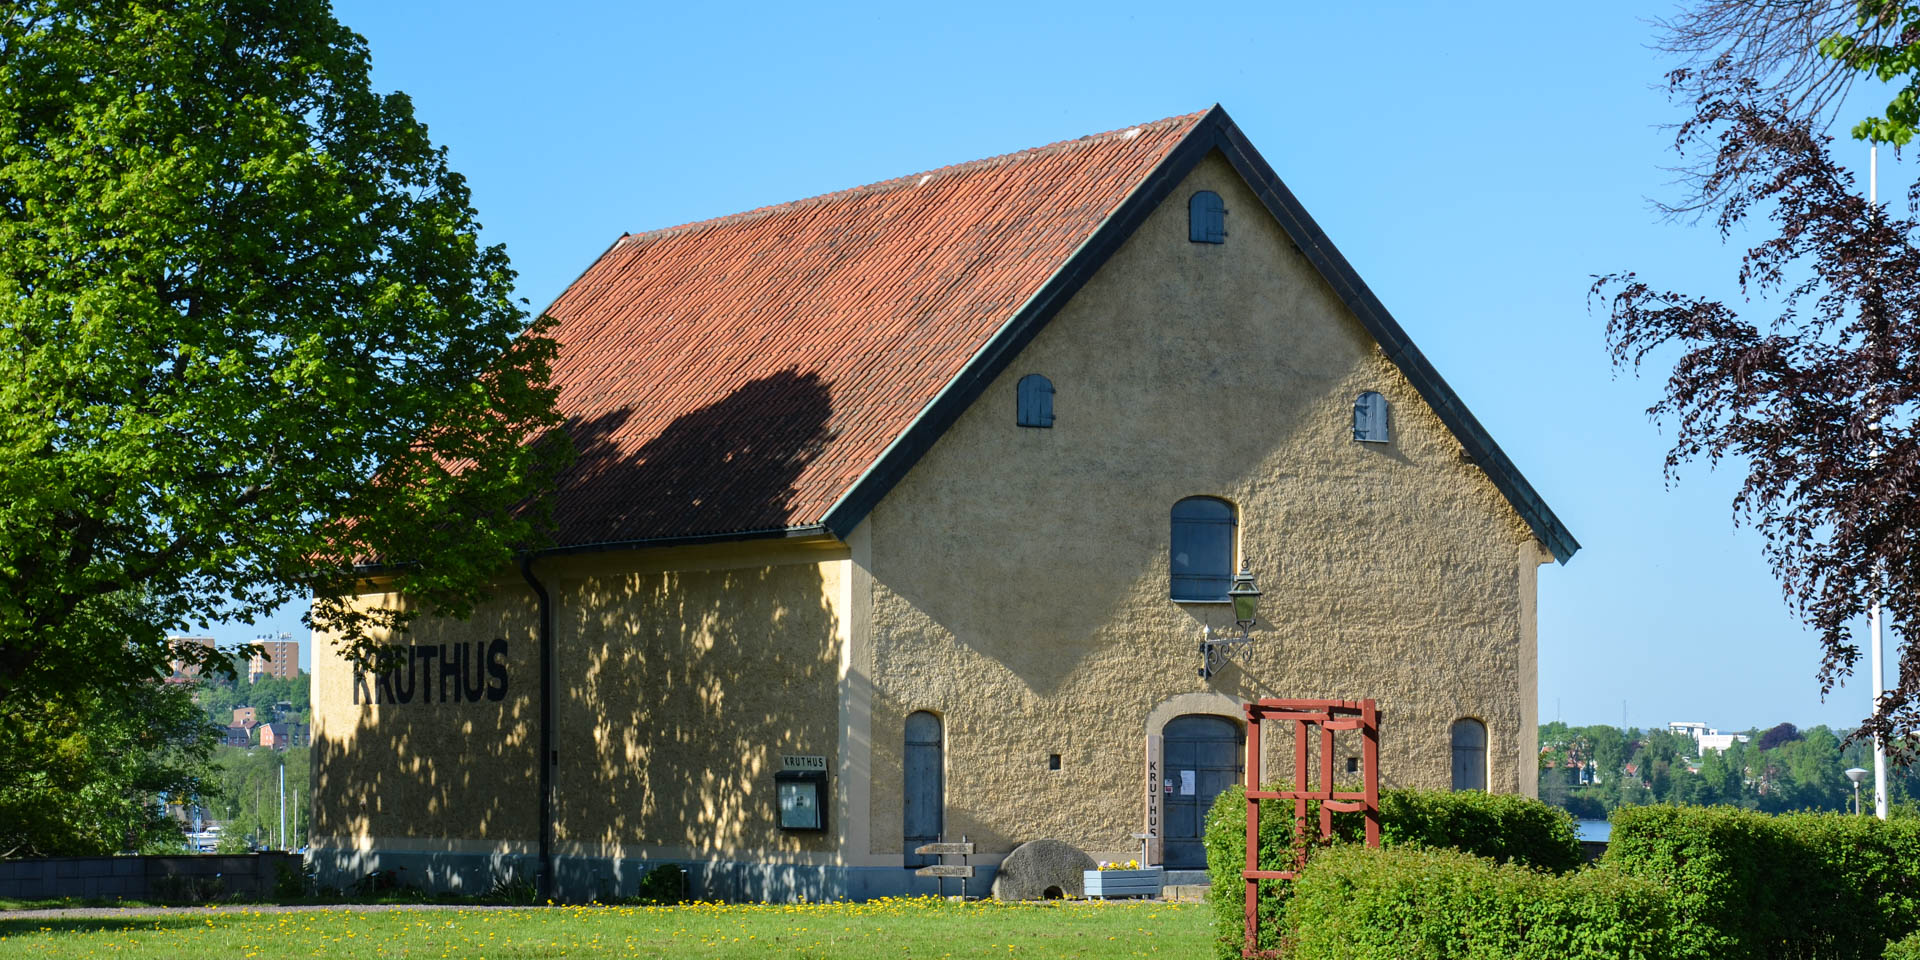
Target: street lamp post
x=1856, y=774
x=1216, y=650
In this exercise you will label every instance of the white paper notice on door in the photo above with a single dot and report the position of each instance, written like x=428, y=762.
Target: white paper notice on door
x=1186, y=783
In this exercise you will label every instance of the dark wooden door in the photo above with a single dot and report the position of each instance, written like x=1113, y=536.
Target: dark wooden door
x=923, y=778
x=1202, y=758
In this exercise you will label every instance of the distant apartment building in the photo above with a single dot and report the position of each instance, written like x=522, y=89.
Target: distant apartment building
x=246, y=718
x=1721, y=741
x=181, y=669
x=280, y=736
x=278, y=658
x=1704, y=737
x=236, y=737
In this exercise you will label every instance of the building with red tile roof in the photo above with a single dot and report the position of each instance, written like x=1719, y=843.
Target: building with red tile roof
x=898, y=514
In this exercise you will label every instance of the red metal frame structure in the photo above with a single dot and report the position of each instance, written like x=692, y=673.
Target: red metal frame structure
x=1330, y=716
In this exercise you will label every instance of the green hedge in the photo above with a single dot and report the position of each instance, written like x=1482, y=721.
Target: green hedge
x=1353, y=903
x=1501, y=826
x=1749, y=886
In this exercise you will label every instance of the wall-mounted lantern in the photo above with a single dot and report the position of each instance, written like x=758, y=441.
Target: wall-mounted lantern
x=1216, y=650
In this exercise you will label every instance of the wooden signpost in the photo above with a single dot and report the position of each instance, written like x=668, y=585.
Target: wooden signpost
x=942, y=871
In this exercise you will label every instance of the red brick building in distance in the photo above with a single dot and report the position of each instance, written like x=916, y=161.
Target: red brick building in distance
x=278, y=658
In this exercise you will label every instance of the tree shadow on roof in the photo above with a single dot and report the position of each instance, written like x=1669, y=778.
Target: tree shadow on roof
x=730, y=466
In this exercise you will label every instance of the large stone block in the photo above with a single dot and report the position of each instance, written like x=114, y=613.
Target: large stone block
x=1042, y=870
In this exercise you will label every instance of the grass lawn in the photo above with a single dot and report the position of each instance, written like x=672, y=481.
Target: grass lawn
x=884, y=928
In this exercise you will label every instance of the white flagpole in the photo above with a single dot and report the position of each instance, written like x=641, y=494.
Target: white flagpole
x=1873, y=612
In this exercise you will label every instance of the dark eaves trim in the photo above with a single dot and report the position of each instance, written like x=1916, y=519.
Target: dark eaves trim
x=1354, y=292
x=808, y=531
x=1214, y=131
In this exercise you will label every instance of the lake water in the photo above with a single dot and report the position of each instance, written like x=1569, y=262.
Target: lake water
x=1593, y=829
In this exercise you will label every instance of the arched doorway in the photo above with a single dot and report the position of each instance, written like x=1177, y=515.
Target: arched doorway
x=1203, y=755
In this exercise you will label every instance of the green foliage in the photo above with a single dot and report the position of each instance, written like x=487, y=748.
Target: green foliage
x=510, y=887
x=1511, y=828
x=1747, y=885
x=243, y=792
x=248, y=338
x=1503, y=826
x=1800, y=770
x=1905, y=948
x=664, y=883
x=1353, y=903
x=219, y=696
x=1896, y=59
x=86, y=774
x=293, y=882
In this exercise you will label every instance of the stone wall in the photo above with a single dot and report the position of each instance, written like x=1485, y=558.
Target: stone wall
x=191, y=879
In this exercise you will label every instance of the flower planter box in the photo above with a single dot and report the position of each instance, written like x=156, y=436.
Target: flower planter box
x=1125, y=883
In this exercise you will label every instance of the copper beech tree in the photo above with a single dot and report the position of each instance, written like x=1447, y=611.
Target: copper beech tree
x=1815, y=396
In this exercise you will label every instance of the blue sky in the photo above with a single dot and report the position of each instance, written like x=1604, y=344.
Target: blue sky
x=1477, y=162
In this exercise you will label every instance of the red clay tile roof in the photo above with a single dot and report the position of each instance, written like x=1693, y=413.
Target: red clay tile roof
x=741, y=374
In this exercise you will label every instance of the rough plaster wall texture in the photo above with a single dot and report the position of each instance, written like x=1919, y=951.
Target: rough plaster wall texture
x=1020, y=575
x=680, y=690
x=442, y=771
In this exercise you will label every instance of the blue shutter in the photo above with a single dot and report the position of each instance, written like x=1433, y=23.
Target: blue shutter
x=1469, y=755
x=923, y=815
x=1035, y=401
x=1206, y=218
x=1200, y=561
x=1370, y=418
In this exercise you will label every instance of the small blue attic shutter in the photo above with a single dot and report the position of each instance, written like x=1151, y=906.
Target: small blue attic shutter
x=1035, y=401
x=1370, y=418
x=1206, y=218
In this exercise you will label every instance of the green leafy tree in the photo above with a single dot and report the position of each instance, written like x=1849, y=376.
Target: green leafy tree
x=243, y=793
x=90, y=773
x=249, y=339
x=1813, y=765
x=1609, y=746
x=1883, y=41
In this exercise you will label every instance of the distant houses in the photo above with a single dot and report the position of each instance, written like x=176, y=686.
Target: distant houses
x=1704, y=737
x=280, y=736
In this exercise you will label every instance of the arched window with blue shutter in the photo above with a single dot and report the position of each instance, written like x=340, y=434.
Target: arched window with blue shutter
x=1035, y=401
x=1201, y=560
x=1370, y=418
x=1206, y=218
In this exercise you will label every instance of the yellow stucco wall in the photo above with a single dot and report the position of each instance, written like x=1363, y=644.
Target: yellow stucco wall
x=1017, y=578
x=440, y=772
x=681, y=677
x=680, y=691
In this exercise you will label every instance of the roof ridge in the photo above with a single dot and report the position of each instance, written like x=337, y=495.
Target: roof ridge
x=878, y=186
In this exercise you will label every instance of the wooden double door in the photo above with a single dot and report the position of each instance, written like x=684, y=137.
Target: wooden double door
x=1201, y=757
